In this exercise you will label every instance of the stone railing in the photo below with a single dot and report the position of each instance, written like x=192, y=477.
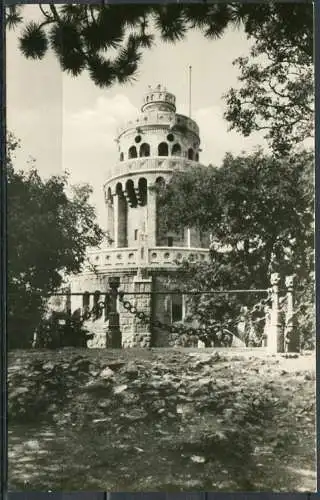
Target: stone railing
x=160, y=118
x=113, y=257
x=152, y=164
x=119, y=258
x=168, y=256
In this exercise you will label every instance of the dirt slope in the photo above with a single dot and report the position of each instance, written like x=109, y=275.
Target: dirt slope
x=161, y=420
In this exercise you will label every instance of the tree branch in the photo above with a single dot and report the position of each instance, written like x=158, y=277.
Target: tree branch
x=55, y=13
x=44, y=12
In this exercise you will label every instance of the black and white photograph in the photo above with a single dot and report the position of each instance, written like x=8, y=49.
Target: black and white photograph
x=160, y=217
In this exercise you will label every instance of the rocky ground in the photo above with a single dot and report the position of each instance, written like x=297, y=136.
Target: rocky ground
x=161, y=420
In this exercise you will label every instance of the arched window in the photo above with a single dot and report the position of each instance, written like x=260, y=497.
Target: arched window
x=130, y=193
x=144, y=149
x=121, y=156
x=119, y=188
x=143, y=190
x=160, y=181
x=190, y=154
x=176, y=150
x=163, y=149
x=86, y=301
x=132, y=152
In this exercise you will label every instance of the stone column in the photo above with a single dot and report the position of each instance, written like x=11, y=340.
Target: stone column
x=152, y=217
x=114, y=339
x=291, y=336
x=116, y=219
x=110, y=218
x=188, y=238
x=275, y=339
x=122, y=221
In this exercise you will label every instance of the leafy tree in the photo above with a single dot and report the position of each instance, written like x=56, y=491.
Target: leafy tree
x=48, y=233
x=259, y=211
x=276, y=95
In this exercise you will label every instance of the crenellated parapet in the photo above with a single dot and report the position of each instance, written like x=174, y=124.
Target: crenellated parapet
x=158, y=98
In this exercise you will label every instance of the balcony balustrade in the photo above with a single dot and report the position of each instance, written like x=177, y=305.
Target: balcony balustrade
x=157, y=257
x=152, y=164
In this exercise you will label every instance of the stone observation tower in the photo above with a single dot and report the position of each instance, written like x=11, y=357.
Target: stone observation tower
x=150, y=148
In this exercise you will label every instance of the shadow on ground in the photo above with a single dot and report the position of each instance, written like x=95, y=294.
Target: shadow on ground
x=161, y=420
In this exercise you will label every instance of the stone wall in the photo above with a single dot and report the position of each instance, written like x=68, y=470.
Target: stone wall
x=143, y=302
x=126, y=319
x=161, y=311
x=134, y=332
x=137, y=220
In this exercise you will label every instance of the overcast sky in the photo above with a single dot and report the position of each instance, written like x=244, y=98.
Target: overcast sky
x=70, y=124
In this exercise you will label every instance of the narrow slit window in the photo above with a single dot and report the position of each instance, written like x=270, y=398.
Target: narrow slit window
x=177, y=307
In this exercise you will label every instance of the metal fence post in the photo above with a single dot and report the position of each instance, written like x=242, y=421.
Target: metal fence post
x=291, y=336
x=114, y=324
x=274, y=343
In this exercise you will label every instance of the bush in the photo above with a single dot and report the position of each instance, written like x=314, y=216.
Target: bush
x=61, y=330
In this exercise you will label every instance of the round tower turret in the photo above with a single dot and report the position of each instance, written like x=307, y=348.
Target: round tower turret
x=159, y=98
x=151, y=147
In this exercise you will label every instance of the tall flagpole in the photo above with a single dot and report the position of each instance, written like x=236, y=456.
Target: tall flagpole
x=190, y=69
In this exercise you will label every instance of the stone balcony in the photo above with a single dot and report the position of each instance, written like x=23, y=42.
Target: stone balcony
x=155, y=164
x=152, y=258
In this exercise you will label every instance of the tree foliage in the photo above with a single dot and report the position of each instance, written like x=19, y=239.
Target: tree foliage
x=259, y=211
x=276, y=91
x=276, y=95
x=48, y=233
x=108, y=40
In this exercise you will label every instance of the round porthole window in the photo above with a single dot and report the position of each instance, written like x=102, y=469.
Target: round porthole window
x=137, y=138
x=170, y=137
